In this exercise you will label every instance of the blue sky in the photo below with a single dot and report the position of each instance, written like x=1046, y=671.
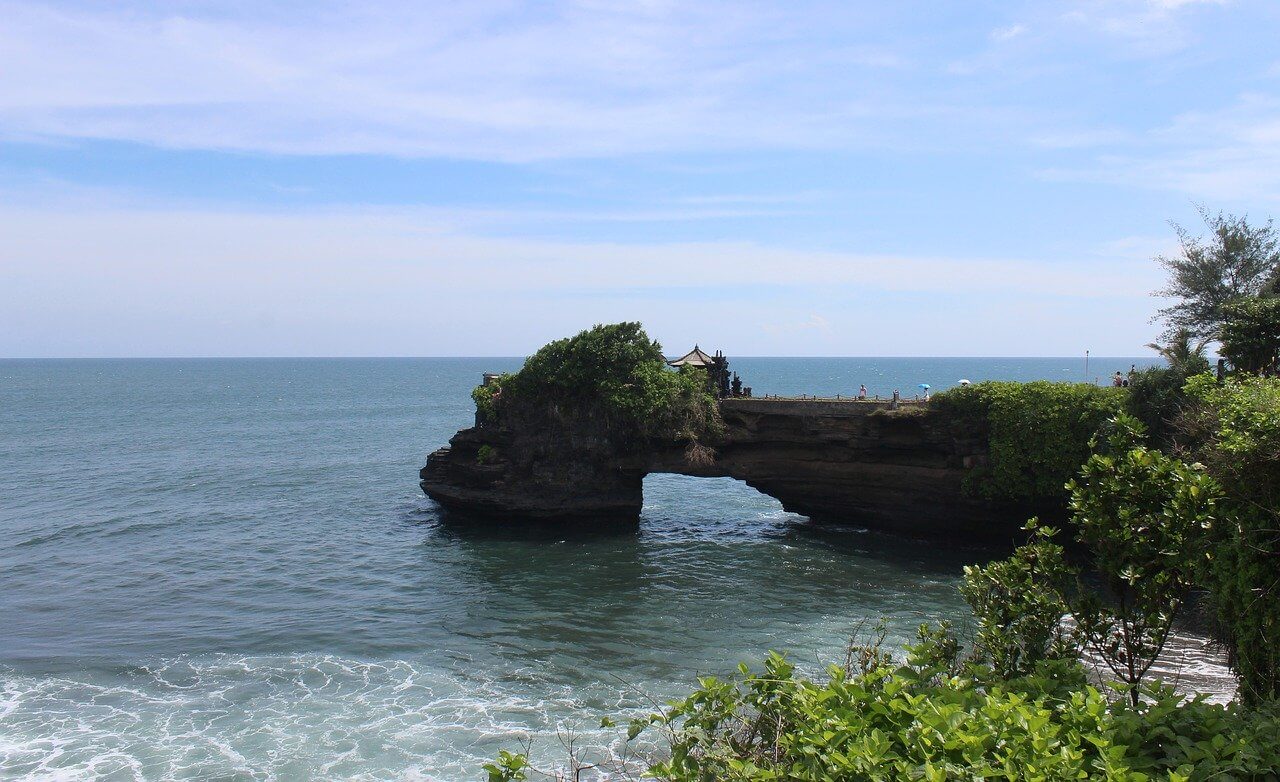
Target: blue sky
x=844, y=178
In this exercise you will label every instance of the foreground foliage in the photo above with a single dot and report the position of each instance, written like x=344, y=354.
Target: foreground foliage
x=925, y=720
x=918, y=722
x=1018, y=604
x=1235, y=432
x=1145, y=517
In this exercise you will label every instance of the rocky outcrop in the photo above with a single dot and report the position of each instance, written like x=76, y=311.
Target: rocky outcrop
x=540, y=464
x=857, y=462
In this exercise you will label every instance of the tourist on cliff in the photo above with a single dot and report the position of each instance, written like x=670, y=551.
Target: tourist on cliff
x=862, y=392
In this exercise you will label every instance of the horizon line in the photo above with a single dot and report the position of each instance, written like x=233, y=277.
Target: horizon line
x=508, y=357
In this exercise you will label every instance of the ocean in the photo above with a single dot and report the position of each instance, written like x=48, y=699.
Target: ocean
x=225, y=569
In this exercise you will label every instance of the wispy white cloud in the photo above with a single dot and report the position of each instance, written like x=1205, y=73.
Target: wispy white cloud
x=1081, y=138
x=1170, y=5
x=1229, y=156
x=1149, y=27
x=814, y=322
x=482, y=79
x=496, y=80
x=1008, y=33
x=85, y=281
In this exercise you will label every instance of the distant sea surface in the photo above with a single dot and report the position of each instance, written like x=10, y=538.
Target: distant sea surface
x=224, y=569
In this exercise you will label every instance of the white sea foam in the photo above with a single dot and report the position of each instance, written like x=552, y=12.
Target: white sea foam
x=281, y=718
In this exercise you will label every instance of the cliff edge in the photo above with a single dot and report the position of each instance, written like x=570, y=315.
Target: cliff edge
x=847, y=461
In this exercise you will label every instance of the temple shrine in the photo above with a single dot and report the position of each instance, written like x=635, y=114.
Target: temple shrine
x=719, y=380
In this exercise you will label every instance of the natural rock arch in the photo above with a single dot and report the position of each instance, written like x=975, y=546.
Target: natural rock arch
x=862, y=462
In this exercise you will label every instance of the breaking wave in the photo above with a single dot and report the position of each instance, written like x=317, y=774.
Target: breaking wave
x=275, y=718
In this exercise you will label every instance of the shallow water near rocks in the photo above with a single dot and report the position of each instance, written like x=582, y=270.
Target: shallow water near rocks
x=224, y=569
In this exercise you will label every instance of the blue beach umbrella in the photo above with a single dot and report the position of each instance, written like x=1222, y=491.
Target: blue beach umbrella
x=925, y=386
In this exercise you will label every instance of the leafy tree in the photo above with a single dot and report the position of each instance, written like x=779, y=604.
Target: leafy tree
x=1251, y=334
x=1237, y=260
x=1019, y=605
x=1144, y=516
x=1156, y=397
x=614, y=370
x=1183, y=352
x=1272, y=288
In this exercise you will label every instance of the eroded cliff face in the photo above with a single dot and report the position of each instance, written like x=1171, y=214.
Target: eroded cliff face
x=540, y=463
x=855, y=462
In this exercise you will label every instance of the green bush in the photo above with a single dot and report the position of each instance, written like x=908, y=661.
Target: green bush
x=615, y=370
x=1038, y=433
x=1019, y=606
x=1157, y=400
x=916, y=722
x=1235, y=431
x=1145, y=517
x=1251, y=334
x=486, y=399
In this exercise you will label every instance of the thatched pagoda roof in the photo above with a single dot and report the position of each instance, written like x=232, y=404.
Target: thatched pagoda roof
x=694, y=358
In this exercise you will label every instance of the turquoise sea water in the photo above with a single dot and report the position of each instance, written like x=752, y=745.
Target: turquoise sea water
x=224, y=569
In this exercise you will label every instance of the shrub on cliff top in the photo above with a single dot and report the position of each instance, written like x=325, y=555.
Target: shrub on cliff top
x=618, y=370
x=1038, y=433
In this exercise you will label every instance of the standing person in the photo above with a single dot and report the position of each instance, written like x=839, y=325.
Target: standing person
x=894, y=404
x=1117, y=380
x=862, y=391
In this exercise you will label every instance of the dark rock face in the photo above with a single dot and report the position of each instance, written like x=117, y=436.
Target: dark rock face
x=541, y=464
x=856, y=462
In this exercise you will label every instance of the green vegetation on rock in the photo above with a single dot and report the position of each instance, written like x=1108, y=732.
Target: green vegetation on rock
x=615, y=371
x=1038, y=433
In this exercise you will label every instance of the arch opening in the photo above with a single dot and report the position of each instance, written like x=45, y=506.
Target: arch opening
x=714, y=500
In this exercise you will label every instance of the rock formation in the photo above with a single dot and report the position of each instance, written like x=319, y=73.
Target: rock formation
x=858, y=462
